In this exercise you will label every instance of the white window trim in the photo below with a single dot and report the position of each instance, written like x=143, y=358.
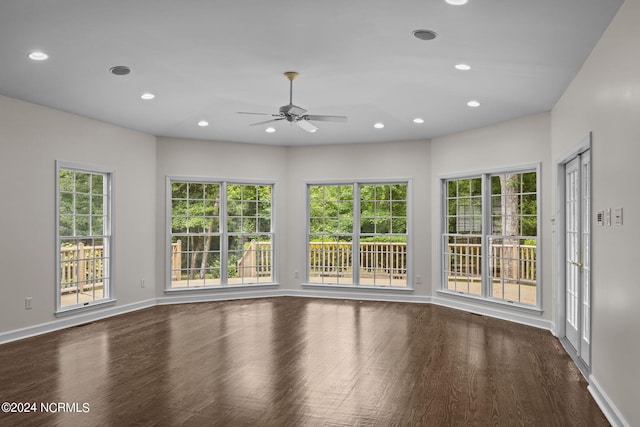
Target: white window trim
x=110, y=207
x=356, y=220
x=223, y=233
x=485, y=298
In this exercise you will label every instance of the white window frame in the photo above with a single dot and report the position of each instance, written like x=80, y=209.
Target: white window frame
x=356, y=233
x=223, y=233
x=109, y=239
x=486, y=235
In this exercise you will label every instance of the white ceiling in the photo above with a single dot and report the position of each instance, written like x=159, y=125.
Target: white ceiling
x=209, y=59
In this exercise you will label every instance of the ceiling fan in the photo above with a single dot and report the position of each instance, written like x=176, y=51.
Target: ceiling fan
x=294, y=114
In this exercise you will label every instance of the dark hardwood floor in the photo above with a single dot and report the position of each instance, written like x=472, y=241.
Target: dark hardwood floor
x=297, y=362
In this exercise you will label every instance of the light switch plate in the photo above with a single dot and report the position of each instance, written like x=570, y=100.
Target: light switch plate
x=617, y=216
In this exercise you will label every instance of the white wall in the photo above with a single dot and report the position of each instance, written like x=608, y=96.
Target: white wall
x=32, y=138
x=406, y=160
x=229, y=161
x=605, y=98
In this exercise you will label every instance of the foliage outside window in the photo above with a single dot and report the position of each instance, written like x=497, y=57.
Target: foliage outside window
x=357, y=234
x=490, y=237
x=83, y=237
x=221, y=234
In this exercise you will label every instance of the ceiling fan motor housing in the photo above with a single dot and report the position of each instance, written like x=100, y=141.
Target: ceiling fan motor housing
x=292, y=111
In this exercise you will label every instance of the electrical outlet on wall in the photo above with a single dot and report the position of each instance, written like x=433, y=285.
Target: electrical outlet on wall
x=27, y=303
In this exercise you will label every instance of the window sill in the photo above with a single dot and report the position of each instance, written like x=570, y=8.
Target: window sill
x=222, y=287
x=89, y=306
x=493, y=302
x=390, y=289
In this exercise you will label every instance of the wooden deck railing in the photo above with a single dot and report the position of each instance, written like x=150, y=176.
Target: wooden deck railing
x=81, y=264
x=336, y=258
x=85, y=263
x=256, y=260
x=516, y=262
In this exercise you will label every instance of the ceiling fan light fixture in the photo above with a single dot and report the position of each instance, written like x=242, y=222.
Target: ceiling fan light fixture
x=37, y=55
x=424, y=34
x=270, y=130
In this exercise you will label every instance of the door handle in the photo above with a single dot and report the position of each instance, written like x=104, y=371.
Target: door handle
x=577, y=264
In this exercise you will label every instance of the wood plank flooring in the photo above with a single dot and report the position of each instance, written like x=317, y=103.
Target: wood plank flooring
x=297, y=362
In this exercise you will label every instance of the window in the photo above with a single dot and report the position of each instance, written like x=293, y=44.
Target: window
x=357, y=234
x=221, y=234
x=84, y=241
x=490, y=236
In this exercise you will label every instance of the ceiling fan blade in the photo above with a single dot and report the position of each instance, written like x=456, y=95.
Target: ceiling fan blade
x=321, y=118
x=257, y=114
x=309, y=127
x=267, y=121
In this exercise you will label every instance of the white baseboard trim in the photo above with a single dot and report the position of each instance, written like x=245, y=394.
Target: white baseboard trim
x=515, y=317
x=606, y=405
x=67, y=322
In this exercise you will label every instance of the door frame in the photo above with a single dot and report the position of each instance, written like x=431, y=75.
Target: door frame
x=561, y=308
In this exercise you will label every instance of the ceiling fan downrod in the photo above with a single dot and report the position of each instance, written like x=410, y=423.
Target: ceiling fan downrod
x=291, y=75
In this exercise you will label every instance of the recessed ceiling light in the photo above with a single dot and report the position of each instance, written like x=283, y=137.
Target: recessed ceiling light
x=147, y=96
x=424, y=34
x=120, y=70
x=473, y=103
x=270, y=130
x=378, y=125
x=457, y=2
x=462, y=67
x=418, y=120
x=203, y=123
x=38, y=55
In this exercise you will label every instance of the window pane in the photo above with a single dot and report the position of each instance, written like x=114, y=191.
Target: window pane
x=178, y=190
x=196, y=253
x=381, y=257
x=511, y=243
x=250, y=259
x=196, y=191
x=463, y=264
x=513, y=269
x=82, y=182
x=330, y=259
x=97, y=225
x=83, y=204
x=84, y=260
